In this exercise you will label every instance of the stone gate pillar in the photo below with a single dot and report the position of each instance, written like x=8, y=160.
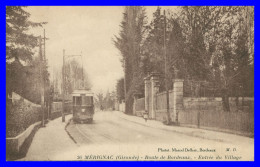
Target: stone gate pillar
x=154, y=90
x=146, y=93
x=177, y=98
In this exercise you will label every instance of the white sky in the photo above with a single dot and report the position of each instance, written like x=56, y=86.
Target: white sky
x=86, y=30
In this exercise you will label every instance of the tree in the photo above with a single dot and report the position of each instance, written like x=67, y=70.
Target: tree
x=120, y=90
x=212, y=35
x=75, y=74
x=108, y=101
x=204, y=43
x=176, y=51
x=199, y=29
x=244, y=60
x=19, y=44
x=21, y=67
x=231, y=56
x=129, y=44
x=99, y=100
x=153, y=56
x=245, y=67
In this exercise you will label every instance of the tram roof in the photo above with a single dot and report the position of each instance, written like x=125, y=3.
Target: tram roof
x=80, y=92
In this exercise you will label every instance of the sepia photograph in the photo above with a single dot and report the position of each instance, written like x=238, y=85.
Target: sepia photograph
x=130, y=83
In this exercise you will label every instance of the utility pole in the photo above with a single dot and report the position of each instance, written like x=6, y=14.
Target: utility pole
x=63, y=82
x=125, y=81
x=83, y=84
x=42, y=80
x=44, y=60
x=166, y=77
x=63, y=87
x=44, y=38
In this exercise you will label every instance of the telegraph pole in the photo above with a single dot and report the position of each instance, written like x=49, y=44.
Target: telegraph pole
x=83, y=84
x=63, y=82
x=166, y=77
x=125, y=80
x=42, y=80
x=44, y=60
x=44, y=38
x=63, y=87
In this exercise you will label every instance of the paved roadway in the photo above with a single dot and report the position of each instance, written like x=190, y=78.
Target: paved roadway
x=110, y=129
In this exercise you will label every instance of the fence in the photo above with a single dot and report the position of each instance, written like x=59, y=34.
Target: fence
x=161, y=106
x=208, y=112
x=237, y=121
x=56, y=109
x=197, y=104
x=140, y=104
x=139, y=107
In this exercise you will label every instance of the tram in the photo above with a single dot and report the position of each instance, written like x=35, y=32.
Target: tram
x=83, y=106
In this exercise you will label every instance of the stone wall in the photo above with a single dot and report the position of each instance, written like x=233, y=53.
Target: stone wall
x=155, y=102
x=199, y=112
x=208, y=113
x=202, y=104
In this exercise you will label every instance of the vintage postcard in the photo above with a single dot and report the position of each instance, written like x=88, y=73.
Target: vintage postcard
x=130, y=83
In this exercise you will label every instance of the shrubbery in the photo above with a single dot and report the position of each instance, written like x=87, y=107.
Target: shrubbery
x=20, y=116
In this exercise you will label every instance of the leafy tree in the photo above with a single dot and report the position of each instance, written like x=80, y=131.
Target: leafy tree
x=19, y=43
x=199, y=29
x=109, y=101
x=21, y=67
x=106, y=102
x=129, y=44
x=153, y=49
x=177, y=66
x=99, y=100
x=75, y=75
x=203, y=43
x=231, y=56
x=245, y=66
x=212, y=35
x=120, y=90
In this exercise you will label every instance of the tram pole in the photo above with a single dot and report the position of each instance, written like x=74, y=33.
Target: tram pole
x=45, y=60
x=83, y=84
x=63, y=87
x=63, y=82
x=42, y=80
x=166, y=76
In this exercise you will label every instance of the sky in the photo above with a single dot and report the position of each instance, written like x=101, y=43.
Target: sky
x=87, y=31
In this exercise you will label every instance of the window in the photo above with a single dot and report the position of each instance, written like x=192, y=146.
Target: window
x=87, y=100
x=77, y=100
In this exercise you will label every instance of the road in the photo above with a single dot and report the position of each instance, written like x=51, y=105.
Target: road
x=109, y=128
x=110, y=133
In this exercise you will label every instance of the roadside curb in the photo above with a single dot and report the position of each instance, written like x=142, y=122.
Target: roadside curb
x=189, y=131
x=250, y=135
x=72, y=138
x=173, y=130
x=17, y=147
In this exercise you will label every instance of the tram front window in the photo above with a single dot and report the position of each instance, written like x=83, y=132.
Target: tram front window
x=87, y=100
x=77, y=100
